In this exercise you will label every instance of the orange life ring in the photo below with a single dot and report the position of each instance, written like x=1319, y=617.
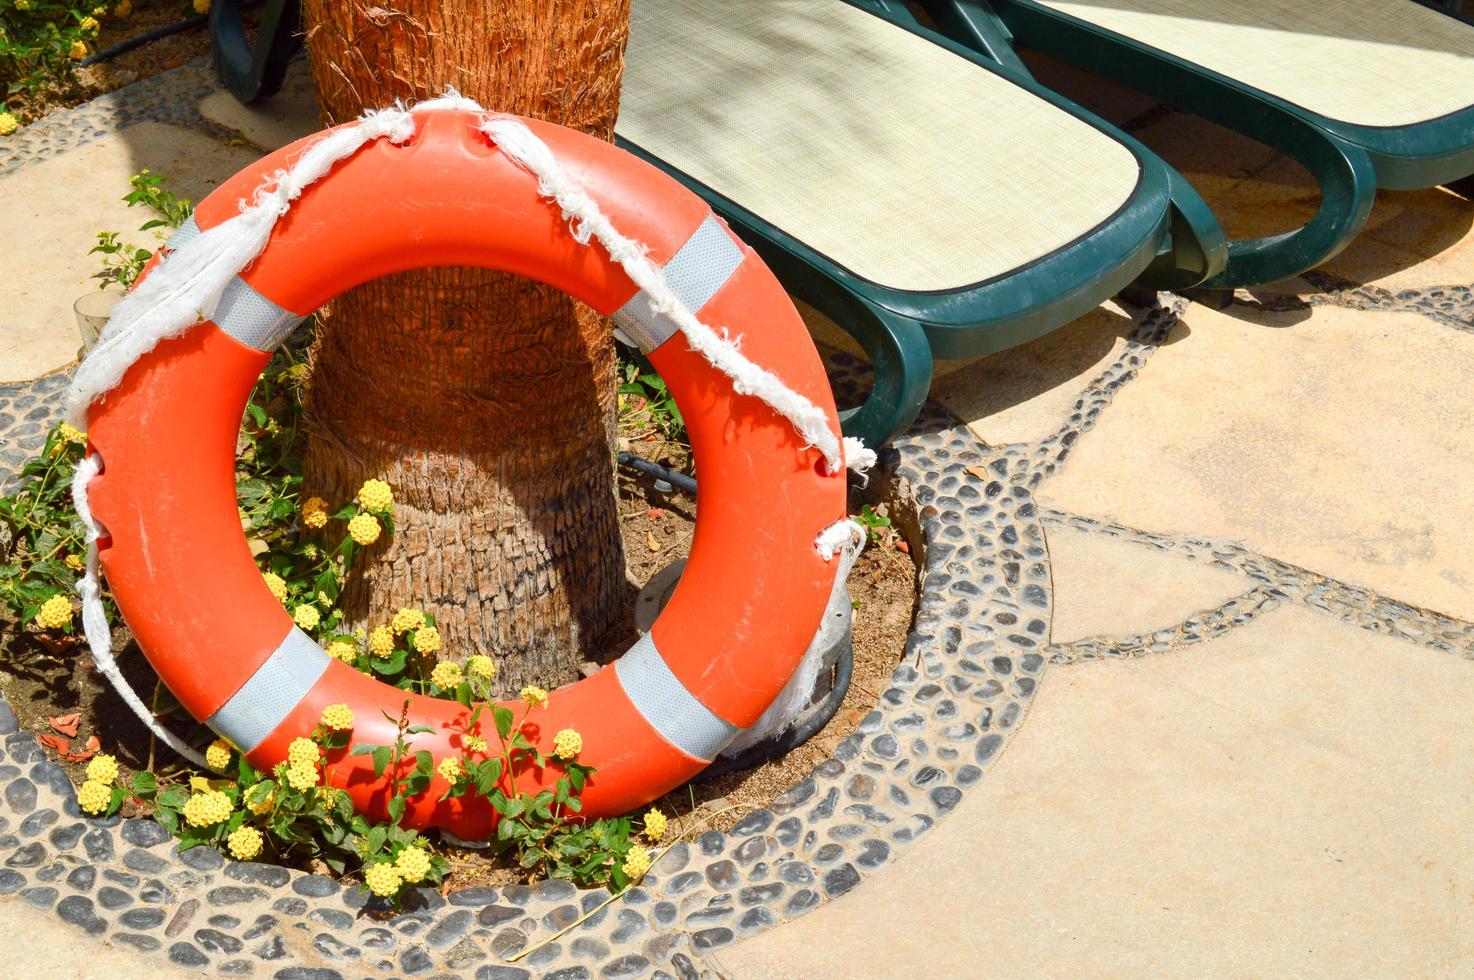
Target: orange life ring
x=755, y=588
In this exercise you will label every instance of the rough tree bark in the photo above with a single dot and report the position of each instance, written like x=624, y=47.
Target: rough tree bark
x=486, y=400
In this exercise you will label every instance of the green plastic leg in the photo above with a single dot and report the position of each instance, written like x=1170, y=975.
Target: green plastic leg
x=901, y=356
x=252, y=73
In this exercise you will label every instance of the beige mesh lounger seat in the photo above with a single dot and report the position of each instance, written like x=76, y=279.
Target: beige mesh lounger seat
x=900, y=184
x=1364, y=93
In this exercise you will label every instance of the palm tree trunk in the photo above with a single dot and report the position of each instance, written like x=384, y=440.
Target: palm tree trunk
x=486, y=400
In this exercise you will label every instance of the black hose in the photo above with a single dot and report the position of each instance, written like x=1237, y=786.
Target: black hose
x=148, y=37
x=678, y=480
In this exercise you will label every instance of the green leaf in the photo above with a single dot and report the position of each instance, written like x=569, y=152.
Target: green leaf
x=145, y=786
x=504, y=720
x=424, y=762
x=396, y=808
x=382, y=754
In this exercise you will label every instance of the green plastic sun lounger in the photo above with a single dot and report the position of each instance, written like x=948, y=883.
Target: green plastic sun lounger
x=1363, y=93
x=928, y=201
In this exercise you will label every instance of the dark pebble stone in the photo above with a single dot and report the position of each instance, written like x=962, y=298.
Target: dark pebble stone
x=24, y=749
x=255, y=873
x=873, y=853
x=20, y=796
x=474, y=897
x=638, y=895
x=286, y=906
x=664, y=912
x=968, y=774
x=113, y=898
x=182, y=915
x=377, y=939
x=185, y=954
x=8, y=772
x=592, y=900
x=307, y=973
x=944, y=798
x=29, y=856
x=356, y=898
x=66, y=838
x=674, y=860
x=885, y=747
x=333, y=948
x=751, y=849
x=8, y=721
x=41, y=897
x=140, y=860
x=270, y=948
x=846, y=831
x=414, y=961
x=144, y=833
x=465, y=953
x=262, y=925
x=796, y=795
x=631, y=965
x=316, y=886
x=569, y=973
x=760, y=894
x=150, y=918
x=721, y=874
x=839, y=880
x=508, y=941
x=801, y=901
x=590, y=948
x=561, y=917
x=713, y=938
x=788, y=831
x=218, y=942
x=203, y=858
x=53, y=777
x=38, y=822
x=712, y=842
x=98, y=845
x=759, y=918
x=753, y=823
x=332, y=918
x=502, y=973
x=453, y=927
x=555, y=890
x=685, y=881
x=51, y=872
x=415, y=900
x=829, y=768
x=155, y=892
x=684, y=967
x=517, y=894
x=144, y=944
x=825, y=807
x=236, y=968
x=494, y=915
x=410, y=924
x=795, y=873
x=828, y=853
x=122, y=878
x=81, y=879
x=235, y=895
x=927, y=775
x=78, y=910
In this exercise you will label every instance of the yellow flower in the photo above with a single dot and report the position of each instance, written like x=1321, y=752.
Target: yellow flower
x=314, y=512
x=364, y=529
x=534, y=696
x=54, y=613
x=427, y=639
x=306, y=617
x=99, y=11
x=449, y=769
x=217, y=756
x=263, y=805
x=567, y=744
x=102, y=769
x=302, y=752
x=406, y=620
x=90, y=25
x=276, y=584
x=337, y=717
x=123, y=9
x=206, y=807
x=244, y=843
x=78, y=51
x=375, y=495
x=474, y=743
x=75, y=562
x=381, y=641
x=636, y=862
x=481, y=668
x=446, y=675
x=413, y=864
x=70, y=433
x=22, y=4
x=655, y=825
x=382, y=878
x=324, y=601
x=302, y=778
x=342, y=650
x=94, y=797
x=8, y=124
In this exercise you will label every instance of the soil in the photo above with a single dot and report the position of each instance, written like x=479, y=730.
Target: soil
x=44, y=681
x=151, y=59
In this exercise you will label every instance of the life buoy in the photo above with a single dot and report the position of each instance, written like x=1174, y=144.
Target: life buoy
x=753, y=592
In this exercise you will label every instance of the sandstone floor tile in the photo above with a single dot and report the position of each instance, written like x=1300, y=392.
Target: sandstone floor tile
x=1142, y=824
x=52, y=212
x=270, y=123
x=1106, y=587
x=1337, y=440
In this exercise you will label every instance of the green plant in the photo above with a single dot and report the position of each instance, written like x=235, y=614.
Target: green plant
x=123, y=263
x=646, y=405
x=875, y=522
x=40, y=40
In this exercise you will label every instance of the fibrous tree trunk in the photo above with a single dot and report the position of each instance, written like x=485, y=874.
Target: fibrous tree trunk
x=485, y=399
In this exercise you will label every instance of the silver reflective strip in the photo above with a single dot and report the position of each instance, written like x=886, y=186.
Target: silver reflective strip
x=253, y=319
x=183, y=235
x=695, y=273
x=278, y=686
x=671, y=710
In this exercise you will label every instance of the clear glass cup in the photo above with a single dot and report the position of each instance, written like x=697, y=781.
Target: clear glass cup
x=93, y=309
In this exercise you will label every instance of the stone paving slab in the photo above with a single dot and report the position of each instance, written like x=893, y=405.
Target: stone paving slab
x=1264, y=805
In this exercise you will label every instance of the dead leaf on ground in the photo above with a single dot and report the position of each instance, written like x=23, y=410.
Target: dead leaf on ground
x=55, y=743
x=66, y=724
x=650, y=540
x=979, y=472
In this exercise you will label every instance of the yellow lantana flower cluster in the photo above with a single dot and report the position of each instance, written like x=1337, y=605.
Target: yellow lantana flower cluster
x=75, y=562
x=276, y=584
x=450, y=769
x=70, y=433
x=302, y=752
x=427, y=640
x=567, y=744
x=655, y=825
x=412, y=864
x=78, y=50
x=534, y=696
x=314, y=512
x=481, y=668
x=364, y=529
x=306, y=617
x=89, y=25
x=301, y=778
x=55, y=613
x=636, y=862
x=244, y=843
x=474, y=743
x=8, y=124
x=446, y=675
x=342, y=650
x=375, y=495
x=337, y=717
x=206, y=807
x=96, y=794
x=382, y=878
x=217, y=756
x=381, y=641
x=102, y=769
x=406, y=620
